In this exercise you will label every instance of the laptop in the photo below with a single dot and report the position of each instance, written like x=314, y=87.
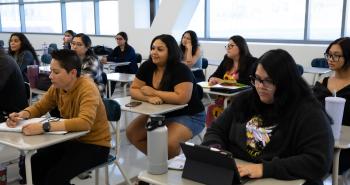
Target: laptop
x=209, y=165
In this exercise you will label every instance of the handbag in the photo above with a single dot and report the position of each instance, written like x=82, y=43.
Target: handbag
x=43, y=82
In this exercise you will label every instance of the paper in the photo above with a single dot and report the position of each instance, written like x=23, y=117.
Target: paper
x=18, y=128
x=177, y=163
x=224, y=84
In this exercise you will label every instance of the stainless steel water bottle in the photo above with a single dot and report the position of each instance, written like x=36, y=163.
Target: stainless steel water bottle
x=157, y=145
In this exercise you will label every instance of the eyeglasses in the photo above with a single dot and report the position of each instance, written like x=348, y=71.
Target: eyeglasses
x=118, y=38
x=267, y=84
x=334, y=58
x=230, y=46
x=77, y=44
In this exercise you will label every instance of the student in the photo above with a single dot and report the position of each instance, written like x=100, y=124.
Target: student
x=122, y=53
x=81, y=44
x=279, y=125
x=236, y=66
x=158, y=81
x=192, y=55
x=23, y=52
x=13, y=95
x=338, y=58
x=80, y=104
x=67, y=39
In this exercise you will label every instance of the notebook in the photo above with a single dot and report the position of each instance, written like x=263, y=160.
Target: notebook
x=202, y=161
x=18, y=128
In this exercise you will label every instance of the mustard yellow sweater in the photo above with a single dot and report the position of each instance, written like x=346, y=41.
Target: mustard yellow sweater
x=81, y=107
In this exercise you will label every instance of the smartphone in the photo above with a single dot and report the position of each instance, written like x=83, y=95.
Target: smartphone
x=133, y=104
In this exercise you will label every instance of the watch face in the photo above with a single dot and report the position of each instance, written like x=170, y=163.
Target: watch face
x=46, y=127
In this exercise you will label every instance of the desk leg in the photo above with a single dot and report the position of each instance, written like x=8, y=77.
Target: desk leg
x=109, y=89
x=314, y=80
x=124, y=86
x=335, y=166
x=29, y=167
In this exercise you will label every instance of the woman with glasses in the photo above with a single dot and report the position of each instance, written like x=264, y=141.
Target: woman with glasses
x=338, y=84
x=122, y=53
x=192, y=55
x=278, y=126
x=236, y=66
x=81, y=44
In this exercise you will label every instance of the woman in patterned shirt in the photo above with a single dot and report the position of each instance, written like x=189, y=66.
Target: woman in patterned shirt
x=81, y=44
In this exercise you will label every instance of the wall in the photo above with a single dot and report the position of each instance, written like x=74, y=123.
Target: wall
x=173, y=18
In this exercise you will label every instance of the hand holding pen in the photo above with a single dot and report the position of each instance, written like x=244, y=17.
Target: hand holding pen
x=15, y=117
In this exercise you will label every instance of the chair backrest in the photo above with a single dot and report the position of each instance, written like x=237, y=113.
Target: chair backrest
x=112, y=109
x=104, y=78
x=300, y=69
x=138, y=58
x=204, y=63
x=319, y=62
x=46, y=58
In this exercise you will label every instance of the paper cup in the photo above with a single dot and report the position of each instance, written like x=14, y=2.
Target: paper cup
x=335, y=109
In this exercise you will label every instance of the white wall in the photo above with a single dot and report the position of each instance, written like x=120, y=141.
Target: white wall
x=173, y=18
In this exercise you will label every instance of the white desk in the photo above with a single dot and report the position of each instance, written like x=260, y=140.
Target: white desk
x=317, y=72
x=32, y=143
x=44, y=68
x=342, y=143
x=110, y=66
x=147, y=108
x=227, y=96
x=175, y=177
x=118, y=77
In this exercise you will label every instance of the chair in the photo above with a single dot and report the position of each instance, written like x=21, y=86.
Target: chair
x=300, y=69
x=46, y=59
x=138, y=58
x=319, y=62
x=28, y=92
x=113, y=114
x=205, y=66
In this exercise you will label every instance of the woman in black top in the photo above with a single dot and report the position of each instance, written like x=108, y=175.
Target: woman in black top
x=279, y=126
x=158, y=81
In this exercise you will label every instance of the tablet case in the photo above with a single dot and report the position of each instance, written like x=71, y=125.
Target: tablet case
x=229, y=90
x=202, y=162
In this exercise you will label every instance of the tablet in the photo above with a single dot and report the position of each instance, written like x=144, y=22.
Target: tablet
x=202, y=161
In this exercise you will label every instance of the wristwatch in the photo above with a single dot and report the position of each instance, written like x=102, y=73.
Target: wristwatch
x=46, y=126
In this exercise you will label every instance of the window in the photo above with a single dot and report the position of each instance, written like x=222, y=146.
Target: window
x=43, y=18
x=80, y=17
x=10, y=20
x=325, y=19
x=273, y=19
x=197, y=21
x=109, y=18
x=347, y=22
x=39, y=0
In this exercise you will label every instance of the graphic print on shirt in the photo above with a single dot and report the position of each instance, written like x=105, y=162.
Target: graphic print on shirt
x=257, y=136
x=231, y=76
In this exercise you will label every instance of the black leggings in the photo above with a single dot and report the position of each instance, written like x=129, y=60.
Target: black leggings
x=58, y=164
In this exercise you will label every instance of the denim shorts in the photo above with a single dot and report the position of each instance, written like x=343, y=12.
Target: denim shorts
x=194, y=122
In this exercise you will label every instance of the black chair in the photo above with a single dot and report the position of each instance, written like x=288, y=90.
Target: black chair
x=319, y=62
x=138, y=58
x=46, y=59
x=113, y=112
x=300, y=69
x=205, y=65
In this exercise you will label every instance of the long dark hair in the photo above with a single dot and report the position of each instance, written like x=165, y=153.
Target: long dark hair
x=291, y=88
x=344, y=43
x=87, y=42
x=174, y=58
x=194, y=42
x=125, y=37
x=25, y=45
x=244, y=53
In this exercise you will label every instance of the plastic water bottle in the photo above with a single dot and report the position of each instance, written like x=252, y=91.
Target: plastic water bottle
x=157, y=145
x=45, y=48
x=3, y=174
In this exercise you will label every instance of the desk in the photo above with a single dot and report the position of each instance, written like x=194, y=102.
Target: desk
x=227, y=96
x=32, y=143
x=317, y=72
x=342, y=143
x=110, y=66
x=147, y=108
x=118, y=77
x=175, y=177
x=45, y=68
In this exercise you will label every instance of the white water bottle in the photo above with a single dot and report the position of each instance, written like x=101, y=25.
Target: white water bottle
x=157, y=145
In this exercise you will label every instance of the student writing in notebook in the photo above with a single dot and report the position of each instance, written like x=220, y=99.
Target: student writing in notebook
x=82, y=108
x=279, y=125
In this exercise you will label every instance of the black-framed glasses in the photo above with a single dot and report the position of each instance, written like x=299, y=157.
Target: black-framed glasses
x=334, y=57
x=230, y=46
x=267, y=83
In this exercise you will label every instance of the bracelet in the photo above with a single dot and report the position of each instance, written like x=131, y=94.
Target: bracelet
x=28, y=113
